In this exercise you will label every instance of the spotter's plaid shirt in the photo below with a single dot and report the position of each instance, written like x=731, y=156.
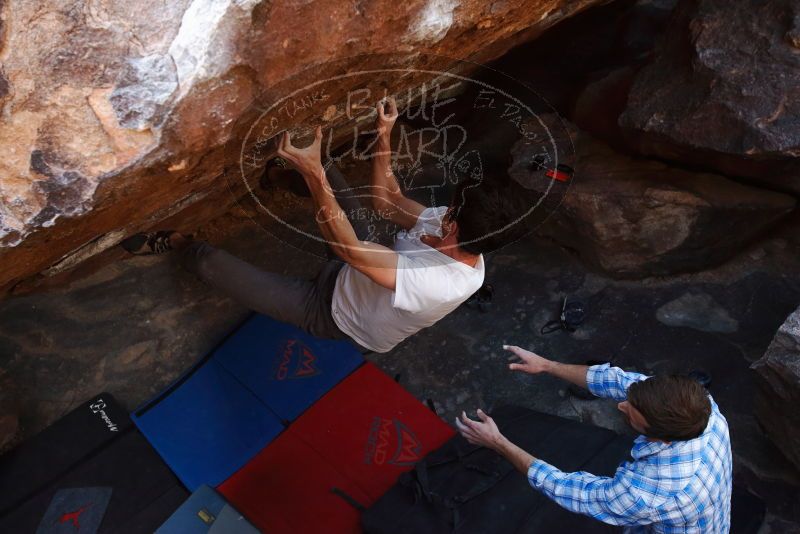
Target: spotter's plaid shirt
x=681, y=487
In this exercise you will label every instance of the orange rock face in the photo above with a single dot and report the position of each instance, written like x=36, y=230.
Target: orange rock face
x=116, y=114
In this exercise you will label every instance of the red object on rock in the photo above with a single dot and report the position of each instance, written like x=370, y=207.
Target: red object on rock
x=555, y=174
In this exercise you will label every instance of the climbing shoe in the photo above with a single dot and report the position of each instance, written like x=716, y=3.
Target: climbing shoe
x=146, y=244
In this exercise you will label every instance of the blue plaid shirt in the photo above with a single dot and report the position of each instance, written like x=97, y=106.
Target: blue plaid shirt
x=684, y=486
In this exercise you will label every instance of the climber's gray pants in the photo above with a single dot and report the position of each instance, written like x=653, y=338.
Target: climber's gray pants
x=301, y=302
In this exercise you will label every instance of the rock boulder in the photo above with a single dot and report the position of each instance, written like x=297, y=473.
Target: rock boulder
x=778, y=394
x=636, y=217
x=724, y=91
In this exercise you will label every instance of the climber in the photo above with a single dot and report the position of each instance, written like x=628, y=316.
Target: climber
x=373, y=295
x=680, y=476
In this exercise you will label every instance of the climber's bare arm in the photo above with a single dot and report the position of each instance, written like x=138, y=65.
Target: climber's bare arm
x=375, y=261
x=387, y=198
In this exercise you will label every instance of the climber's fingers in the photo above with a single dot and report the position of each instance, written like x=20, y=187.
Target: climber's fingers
x=285, y=144
x=318, y=135
x=392, y=105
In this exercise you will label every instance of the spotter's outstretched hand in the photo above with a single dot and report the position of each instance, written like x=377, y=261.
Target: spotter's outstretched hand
x=527, y=361
x=484, y=432
x=307, y=160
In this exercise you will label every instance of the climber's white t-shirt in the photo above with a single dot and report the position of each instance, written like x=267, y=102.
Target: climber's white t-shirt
x=429, y=285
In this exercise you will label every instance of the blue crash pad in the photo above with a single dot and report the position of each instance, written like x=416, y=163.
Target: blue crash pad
x=283, y=366
x=207, y=425
x=206, y=512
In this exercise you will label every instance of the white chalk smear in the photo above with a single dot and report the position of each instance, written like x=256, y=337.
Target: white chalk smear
x=205, y=39
x=433, y=22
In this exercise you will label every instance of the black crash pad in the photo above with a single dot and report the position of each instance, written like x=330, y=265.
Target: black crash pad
x=465, y=489
x=92, y=471
x=51, y=453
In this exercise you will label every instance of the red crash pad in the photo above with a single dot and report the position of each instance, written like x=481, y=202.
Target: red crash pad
x=371, y=430
x=288, y=488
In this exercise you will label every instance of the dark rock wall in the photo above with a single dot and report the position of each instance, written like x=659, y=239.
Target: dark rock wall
x=778, y=381
x=661, y=95
x=723, y=92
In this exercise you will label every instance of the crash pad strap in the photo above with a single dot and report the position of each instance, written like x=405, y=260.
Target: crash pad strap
x=348, y=499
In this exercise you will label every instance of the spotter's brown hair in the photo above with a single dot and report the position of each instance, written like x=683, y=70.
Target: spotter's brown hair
x=676, y=407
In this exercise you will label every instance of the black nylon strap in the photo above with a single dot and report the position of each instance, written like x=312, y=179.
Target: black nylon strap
x=421, y=470
x=348, y=498
x=552, y=326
